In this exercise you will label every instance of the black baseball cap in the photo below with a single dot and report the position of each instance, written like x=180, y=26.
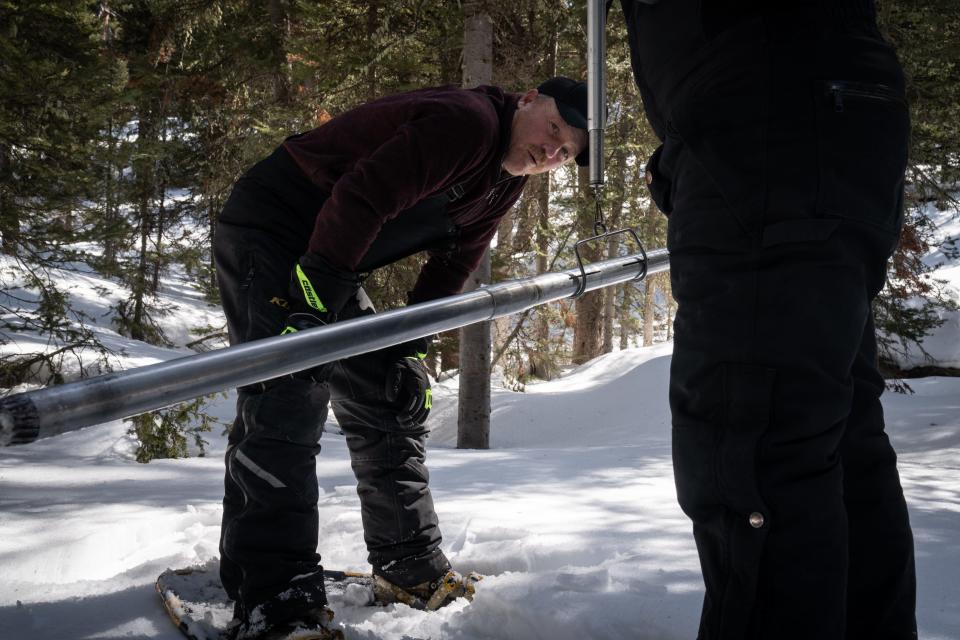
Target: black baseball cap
x=571, y=99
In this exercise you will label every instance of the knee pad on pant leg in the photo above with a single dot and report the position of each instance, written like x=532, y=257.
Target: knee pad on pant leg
x=274, y=467
x=377, y=452
x=275, y=463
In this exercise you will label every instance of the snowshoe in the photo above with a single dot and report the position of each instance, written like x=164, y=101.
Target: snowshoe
x=429, y=596
x=311, y=625
x=199, y=607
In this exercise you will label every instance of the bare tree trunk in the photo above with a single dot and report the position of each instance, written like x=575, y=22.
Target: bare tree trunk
x=651, y=286
x=501, y=269
x=613, y=247
x=9, y=215
x=624, y=312
x=145, y=179
x=473, y=417
x=618, y=190
x=449, y=350
x=111, y=209
x=112, y=174
x=373, y=22
x=671, y=309
x=158, y=242
x=541, y=363
x=473, y=420
x=589, y=307
x=610, y=293
x=609, y=297
x=649, y=309
x=542, y=203
x=139, y=318
x=527, y=215
x=212, y=211
x=282, y=89
x=477, y=44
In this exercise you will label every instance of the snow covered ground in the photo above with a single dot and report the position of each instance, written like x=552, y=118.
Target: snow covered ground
x=572, y=515
x=942, y=346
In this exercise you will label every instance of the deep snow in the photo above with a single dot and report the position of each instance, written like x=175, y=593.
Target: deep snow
x=572, y=515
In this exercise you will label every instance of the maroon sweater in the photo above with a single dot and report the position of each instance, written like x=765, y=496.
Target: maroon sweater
x=381, y=158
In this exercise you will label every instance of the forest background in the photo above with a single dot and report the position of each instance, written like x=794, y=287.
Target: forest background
x=123, y=125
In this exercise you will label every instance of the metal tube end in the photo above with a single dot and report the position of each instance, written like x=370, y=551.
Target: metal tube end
x=19, y=421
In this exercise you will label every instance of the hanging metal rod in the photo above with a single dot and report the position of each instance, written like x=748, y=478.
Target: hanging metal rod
x=27, y=416
x=596, y=87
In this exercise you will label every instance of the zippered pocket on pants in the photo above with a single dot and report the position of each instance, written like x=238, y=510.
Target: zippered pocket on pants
x=862, y=137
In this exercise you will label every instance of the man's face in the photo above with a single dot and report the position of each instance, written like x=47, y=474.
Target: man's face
x=541, y=140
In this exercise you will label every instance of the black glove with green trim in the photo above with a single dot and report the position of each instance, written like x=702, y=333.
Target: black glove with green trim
x=408, y=383
x=318, y=291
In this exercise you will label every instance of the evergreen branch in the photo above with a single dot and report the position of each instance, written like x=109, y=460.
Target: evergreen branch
x=932, y=183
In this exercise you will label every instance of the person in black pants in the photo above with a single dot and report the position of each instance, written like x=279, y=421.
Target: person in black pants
x=429, y=170
x=784, y=134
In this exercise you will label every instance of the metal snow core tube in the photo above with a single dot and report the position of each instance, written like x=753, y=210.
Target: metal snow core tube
x=596, y=87
x=46, y=412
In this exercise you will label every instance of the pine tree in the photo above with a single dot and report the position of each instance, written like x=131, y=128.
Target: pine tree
x=926, y=35
x=54, y=90
x=53, y=83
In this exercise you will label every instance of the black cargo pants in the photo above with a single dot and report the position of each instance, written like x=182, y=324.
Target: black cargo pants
x=783, y=168
x=270, y=526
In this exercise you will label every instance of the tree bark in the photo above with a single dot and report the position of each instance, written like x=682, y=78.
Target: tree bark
x=650, y=285
x=649, y=309
x=477, y=44
x=613, y=248
x=624, y=311
x=158, y=242
x=589, y=307
x=373, y=23
x=111, y=207
x=139, y=318
x=213, y=210
x=501, y=269
x=541, y=363
x=9, y=216
x=609, y=302
x=145, y=185
x=526, y=216
x=618, y=192
x=473, y=419
x=112, y=174
x=671, y=309
x=279, y=19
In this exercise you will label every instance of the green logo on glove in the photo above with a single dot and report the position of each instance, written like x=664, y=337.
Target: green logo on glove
x=428, y=399
x=309, y=294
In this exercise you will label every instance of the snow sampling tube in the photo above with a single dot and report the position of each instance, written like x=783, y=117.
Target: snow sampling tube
x=25, y=417
x=596, y=87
